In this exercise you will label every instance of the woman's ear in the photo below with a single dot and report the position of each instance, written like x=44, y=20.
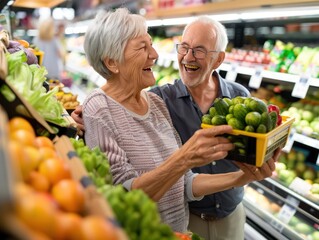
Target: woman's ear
x=111, y=65
x=220, y=59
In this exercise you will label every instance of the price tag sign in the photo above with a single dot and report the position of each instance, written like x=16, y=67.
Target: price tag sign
x=232, y=73
x=277, y=224
x=256, y=78
x=288, y=210
x=300, y=186
x=290, y=141
x=301, y=87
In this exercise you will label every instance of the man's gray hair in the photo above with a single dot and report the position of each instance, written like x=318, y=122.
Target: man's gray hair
x=220, y=30
x=108, y=35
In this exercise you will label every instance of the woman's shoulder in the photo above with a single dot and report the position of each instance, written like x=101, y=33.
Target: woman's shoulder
x=94, y=99
x=156, y=99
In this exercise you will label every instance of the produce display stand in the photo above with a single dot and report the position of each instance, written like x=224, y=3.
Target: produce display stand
x=18, y=106
x=95, y=204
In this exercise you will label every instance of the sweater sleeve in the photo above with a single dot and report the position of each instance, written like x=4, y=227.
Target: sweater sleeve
x=101, y=132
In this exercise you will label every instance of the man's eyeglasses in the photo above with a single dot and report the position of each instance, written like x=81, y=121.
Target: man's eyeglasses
x=199, y=53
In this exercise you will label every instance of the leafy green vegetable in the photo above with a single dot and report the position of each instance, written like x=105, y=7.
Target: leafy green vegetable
x=28, y=81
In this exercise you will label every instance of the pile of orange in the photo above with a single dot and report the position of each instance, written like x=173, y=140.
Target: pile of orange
x=49, y=201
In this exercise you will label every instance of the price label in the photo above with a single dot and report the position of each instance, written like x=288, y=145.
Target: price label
x=288, y=210
x=290, y=141
x=301, y=87
x=232, y=73
x=277, y=224
x=256, y=78
x=300, y=186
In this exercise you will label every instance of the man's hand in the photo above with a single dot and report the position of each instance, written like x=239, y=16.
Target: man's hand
x=252, y=173
x=77, y=116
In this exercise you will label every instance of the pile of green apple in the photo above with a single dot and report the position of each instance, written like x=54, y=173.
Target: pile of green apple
x=306, y=118
x=295, y=166
x=303, y=228
x=95, y=162
x=291, y=165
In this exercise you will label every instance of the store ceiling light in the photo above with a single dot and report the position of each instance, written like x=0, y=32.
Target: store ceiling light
x=274, y=13
x=280, y=13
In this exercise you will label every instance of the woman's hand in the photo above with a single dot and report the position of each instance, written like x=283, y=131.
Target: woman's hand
x=77, y=116
x=206, y=145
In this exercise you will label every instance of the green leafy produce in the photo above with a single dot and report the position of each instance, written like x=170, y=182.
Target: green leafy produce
x=28, y=81
x=206, y=118
x=95, y=162
x=137, y=213
x=221, y=106
x=243, y=113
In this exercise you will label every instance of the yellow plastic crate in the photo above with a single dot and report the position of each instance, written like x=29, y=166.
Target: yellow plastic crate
x=258, y=147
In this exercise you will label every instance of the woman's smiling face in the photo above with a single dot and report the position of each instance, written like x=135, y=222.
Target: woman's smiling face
x=139, y=58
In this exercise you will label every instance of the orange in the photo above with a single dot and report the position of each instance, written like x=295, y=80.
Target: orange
x=38, y=181
x=96, y=227
x=69, y=226
x=47, y=152
x=22, y=190
x=69, y=194
x=23, y=42
x=15, y=153
x=16, y=123
x=38, y=211
x=23, y=136
x=55, y=169
x=24, y=158
x=43, y=141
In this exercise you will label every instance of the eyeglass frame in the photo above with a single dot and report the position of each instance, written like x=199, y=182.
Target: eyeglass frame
x=193, y=51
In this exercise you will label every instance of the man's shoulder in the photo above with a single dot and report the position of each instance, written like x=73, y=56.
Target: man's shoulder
x=235, y=89
x=168, y=89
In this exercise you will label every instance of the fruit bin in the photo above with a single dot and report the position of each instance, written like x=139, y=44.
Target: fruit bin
x=257, y=148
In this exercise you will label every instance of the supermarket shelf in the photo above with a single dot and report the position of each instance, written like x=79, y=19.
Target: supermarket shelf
x=311, y=142
x=78, y=49
x=88, y=72
x=265, y=220
x=284, y=77
x=280, y=189
x=274, y=220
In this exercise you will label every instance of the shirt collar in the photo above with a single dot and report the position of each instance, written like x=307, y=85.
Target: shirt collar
x=182, y=90
x=222, y=90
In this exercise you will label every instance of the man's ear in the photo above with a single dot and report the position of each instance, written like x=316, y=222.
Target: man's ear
x=220, y=59
x=111, y=65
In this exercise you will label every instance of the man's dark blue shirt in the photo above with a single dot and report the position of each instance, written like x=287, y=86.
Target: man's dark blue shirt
x=186, y=117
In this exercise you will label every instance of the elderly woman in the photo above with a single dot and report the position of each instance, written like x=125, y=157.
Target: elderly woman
x=133, y=126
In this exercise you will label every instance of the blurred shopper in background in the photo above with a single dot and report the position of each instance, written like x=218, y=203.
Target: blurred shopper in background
x=60, y=35
x=47, y=42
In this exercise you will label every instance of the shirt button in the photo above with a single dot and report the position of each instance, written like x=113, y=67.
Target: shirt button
x=217, y=205
x=214, y=163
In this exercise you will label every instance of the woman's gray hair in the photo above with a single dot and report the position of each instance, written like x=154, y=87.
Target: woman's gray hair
x=108, y=35
x=220, y=30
